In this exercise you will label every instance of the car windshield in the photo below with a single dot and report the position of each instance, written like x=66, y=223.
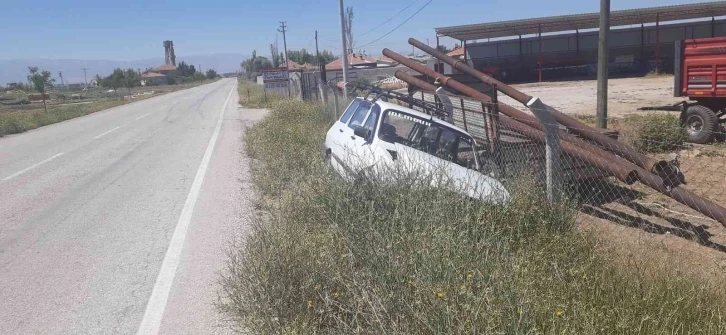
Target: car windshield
x=430, y=137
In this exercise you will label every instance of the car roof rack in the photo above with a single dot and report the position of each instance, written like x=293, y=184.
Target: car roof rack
x=435, y=109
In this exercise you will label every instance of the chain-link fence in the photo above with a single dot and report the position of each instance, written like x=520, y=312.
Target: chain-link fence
x=677, y=188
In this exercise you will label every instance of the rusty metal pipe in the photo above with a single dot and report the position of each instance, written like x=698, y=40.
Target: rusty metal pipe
x=625, y=171
x=661, y=168
x=508, y=110
x=595, y=156
x=697, y=203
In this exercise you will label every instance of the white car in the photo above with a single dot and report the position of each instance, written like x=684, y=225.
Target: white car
x=388, y=140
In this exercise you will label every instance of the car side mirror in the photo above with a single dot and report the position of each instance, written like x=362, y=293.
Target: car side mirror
x=362, y=132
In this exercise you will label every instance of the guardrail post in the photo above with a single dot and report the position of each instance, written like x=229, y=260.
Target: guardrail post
x=552, y=142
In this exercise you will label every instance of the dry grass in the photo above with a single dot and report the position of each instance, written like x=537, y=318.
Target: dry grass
x=18, y=119
x=332, y=257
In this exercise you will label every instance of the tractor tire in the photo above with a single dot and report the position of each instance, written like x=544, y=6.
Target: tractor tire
x=701, y=124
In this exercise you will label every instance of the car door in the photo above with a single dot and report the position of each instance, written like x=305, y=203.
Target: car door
x=362, y=148
x=335, y=138
x=351, y=154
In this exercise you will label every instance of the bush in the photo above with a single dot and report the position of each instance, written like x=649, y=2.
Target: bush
x=654, y=133
x=331, y=257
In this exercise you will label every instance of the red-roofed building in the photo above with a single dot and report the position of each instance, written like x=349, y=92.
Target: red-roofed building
x=294, y=66
x=166, y=69
x=457, y=53
x=354, y=61
x=153, y=78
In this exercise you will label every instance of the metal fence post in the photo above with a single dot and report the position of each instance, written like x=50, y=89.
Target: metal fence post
x=335, y=102
x=552, y=141
x=446, y=102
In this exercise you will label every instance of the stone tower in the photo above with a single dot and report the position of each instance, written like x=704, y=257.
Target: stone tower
x=170, y=58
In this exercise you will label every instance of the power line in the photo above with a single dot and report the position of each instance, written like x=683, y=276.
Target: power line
x=398, y=26
x=389, y=19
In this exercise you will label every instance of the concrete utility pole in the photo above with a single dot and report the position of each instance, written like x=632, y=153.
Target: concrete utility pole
x=84, y=75
x=345, y=48
x=60, y=74
x=284, y=45
x=602, y=65
x=317, y=51
x=284, y=39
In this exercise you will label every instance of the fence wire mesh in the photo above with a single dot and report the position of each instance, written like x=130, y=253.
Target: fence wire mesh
x=601, y=183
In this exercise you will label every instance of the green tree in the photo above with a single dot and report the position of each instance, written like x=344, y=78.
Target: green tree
x=40, y=80
x=211, y=74
x=275, y=56
x=185, y=70
x=348, y=22
x=131, y=78
x=443, y=49
x=253, y=65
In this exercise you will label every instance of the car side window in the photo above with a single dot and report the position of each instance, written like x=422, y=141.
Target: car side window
x=372, y=119
x=360, y=115
x=349, y=112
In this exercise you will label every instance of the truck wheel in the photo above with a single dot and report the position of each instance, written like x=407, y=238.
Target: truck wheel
x=701, y=124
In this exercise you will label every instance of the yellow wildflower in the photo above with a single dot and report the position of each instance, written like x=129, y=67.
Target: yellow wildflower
x=310, y=304
x=335, y=294
x=469, y=275
x=559, y=314
x=440, y=295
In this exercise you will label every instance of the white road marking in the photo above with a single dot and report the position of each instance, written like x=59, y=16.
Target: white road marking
x=142, y=116
x=106, y=133
x=32, y=167
x=159, y=296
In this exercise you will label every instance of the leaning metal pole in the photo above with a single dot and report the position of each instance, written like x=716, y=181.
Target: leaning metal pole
x=662, y=168
x=596, y=157
x=622, y=169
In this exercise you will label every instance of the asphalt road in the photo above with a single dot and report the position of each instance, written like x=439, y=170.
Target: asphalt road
x=117, y=222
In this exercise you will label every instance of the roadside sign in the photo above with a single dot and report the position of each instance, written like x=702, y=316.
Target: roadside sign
x=276, y=74
x=276, y=80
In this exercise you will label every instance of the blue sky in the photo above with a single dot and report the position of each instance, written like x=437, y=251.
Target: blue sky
x=131, y=29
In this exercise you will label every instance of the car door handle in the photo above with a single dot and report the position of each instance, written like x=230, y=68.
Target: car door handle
x=340, y=130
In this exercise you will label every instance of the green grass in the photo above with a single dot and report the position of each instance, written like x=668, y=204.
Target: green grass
x=328, y=257
x=252, y=95
x=15, y=120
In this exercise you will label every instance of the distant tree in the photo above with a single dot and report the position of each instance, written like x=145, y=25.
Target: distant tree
x=40, y=80
x=255, y=64
x=131, y=78
x=326, y=57
x=443, y=49
x=211, y=74
x=17, y=86
x=275, y=55
x=348, y=23
x=302, y=56
x=185, y=70
x=198, y=76
x=114, y=80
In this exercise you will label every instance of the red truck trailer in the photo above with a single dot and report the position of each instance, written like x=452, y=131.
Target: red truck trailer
x=700, y=76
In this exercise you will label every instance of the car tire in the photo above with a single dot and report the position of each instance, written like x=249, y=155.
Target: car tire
x=701, y=124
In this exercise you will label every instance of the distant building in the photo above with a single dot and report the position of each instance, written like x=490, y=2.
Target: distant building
x=159, y=75
x=153, y=78
x=166, y=69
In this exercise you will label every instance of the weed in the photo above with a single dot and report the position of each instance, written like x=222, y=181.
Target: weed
x=332, y=257
x=653, y=133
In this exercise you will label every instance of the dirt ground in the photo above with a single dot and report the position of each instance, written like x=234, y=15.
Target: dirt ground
x=624, y=95
x=650, y=228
